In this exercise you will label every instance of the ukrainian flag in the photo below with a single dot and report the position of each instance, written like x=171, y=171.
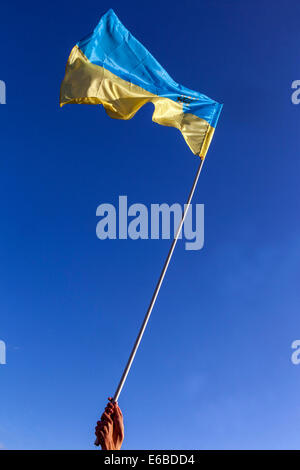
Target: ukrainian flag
x=110, y=67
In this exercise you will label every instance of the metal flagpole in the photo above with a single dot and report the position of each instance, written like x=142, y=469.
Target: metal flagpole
x=156, y=291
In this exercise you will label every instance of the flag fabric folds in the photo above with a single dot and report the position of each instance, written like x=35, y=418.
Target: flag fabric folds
x=110, y=67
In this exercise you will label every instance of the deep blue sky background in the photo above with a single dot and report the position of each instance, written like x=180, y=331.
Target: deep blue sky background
x=214, y=368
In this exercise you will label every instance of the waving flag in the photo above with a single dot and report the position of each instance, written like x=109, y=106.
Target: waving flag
x=110, y=67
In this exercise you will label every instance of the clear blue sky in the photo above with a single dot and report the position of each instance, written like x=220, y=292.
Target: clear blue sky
x=214, y=368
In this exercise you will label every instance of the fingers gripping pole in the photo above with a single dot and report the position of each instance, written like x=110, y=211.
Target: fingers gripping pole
x=156, y=291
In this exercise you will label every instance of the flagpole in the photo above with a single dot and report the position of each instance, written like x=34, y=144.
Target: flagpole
x=156, y=291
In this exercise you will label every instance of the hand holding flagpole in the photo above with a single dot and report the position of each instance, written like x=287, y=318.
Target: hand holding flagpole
x=156, y=291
